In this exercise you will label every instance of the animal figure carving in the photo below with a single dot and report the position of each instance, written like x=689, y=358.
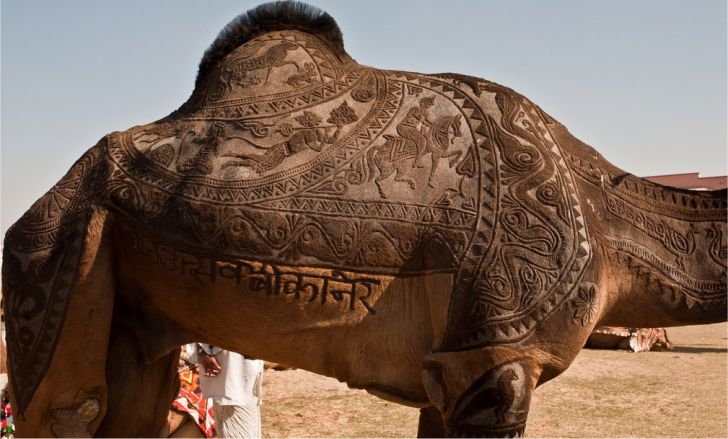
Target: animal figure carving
x=236, y=73
x=396, y=152
x=456, y=289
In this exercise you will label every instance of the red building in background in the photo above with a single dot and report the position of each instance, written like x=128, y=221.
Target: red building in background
x=691, y=180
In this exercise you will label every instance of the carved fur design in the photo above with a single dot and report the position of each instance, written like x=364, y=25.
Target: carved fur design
x=436, y=220
x=269, y=17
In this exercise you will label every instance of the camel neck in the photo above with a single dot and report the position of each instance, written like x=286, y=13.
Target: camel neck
x=667, y=250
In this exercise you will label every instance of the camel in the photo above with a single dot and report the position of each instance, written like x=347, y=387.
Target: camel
x=457, y=290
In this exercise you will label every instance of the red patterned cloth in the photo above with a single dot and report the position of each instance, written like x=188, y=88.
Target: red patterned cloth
x=191, y=401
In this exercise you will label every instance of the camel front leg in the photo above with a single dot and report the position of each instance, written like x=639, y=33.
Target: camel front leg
x=484, y=392
x=70, y=401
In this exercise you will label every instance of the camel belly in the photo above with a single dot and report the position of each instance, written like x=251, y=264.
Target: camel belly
x=369, y=330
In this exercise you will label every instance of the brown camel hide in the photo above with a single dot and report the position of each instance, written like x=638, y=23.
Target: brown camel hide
x=438, y=240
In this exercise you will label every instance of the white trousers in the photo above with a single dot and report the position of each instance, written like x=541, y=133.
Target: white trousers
x=238, y=421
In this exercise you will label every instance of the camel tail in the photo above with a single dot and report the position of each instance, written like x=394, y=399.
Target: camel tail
x=48, y=256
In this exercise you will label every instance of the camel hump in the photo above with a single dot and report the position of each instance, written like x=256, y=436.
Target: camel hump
x=271, y=17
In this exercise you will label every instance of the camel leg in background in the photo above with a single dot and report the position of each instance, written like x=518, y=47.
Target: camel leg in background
x=140, y=395
x=141, y=390
x=431, y=423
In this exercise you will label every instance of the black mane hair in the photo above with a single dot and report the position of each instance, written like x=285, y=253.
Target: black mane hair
x=269, y=17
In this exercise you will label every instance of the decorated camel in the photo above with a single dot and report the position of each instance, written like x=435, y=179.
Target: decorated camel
x=437, y=240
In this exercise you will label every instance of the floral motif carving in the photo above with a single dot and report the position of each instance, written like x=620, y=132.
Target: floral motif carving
x=585, y=303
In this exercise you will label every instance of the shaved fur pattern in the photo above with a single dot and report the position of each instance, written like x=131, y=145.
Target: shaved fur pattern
x=269, y=17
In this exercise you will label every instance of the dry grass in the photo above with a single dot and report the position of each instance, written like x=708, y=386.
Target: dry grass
x=681, y=393
x=301, y=404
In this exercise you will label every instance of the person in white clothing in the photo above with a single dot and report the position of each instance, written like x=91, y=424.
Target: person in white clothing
x=235, y=384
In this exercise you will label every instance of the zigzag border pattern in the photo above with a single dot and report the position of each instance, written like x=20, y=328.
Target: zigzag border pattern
x=410, y=213
x=687, y=207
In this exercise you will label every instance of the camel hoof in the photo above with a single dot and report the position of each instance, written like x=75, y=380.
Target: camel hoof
x=73, y=422
x=88, y=410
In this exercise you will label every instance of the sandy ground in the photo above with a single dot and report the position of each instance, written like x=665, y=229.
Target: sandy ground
x=681, y=393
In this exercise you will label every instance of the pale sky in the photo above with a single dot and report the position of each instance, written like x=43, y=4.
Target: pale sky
x=644, y=82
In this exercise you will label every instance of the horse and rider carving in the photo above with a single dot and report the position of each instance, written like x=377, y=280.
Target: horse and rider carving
x=417, y=136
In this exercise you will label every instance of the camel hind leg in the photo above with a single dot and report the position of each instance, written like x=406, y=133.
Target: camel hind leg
x=141, y=366
x=431, y=423
x=138, y=391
